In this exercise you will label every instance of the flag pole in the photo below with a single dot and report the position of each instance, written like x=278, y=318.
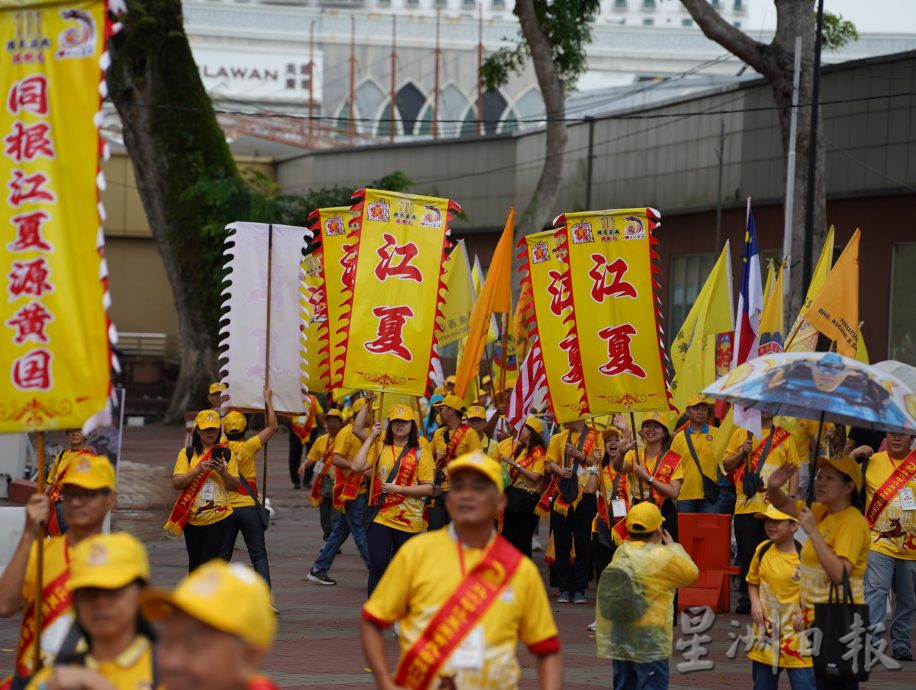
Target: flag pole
x=39, y=551
x=421, y=426
x=270, y=247
x=374, y=464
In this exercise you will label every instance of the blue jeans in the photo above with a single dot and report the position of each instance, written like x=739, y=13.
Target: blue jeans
x=882, y=574
x=383, y=542
x=765, y=679
x=351, y=522
x=698, y=505
x=631, y=675
x=246, y=521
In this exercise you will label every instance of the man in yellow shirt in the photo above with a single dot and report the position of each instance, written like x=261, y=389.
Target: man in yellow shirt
x=77, y=440
x=476, y=417
x=88, y=495
x=215, y=395
x=890, y=510
x=753, y=461
x=452, y=439
x=321, y=462
x=302, y=429
x=469, y=573
x=700, y=489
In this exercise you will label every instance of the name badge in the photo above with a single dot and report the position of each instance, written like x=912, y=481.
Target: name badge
x=470, y=654
x=619, y=508
x=208, y=493
x=907, y=502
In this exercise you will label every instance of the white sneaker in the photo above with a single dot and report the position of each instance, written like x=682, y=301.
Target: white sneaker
x=536, y=544
x=592, y=626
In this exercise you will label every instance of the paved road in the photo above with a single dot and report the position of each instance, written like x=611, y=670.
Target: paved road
x=317, y=644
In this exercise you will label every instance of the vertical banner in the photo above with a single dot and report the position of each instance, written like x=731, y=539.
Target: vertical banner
x=618, y=356
x=459, y=296
x=55, y=356
x=314, y=303
x=262, y=299
x=394, y=291
x=552, y=304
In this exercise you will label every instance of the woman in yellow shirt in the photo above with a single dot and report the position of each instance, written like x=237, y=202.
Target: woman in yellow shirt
x=526, y=463
x=404, y=470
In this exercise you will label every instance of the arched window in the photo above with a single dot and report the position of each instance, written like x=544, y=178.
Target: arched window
x=369, y=101
x=530, y=108
x=410, y=102
x=509, y=123
x=494, y=105
x=453, y=105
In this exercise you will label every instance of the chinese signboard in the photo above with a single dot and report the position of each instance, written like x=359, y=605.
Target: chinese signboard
x=260, y=76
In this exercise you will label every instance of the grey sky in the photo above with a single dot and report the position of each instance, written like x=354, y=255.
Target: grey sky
x=869, y=16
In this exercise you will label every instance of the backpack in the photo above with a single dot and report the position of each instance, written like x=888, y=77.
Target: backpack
x=621, y=597
x=767, y=545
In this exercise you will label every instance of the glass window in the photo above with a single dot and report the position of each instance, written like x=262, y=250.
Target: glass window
x=686, y=22
x=648, y=21
x=688, y=274
x=901, y=341
x=409, y=102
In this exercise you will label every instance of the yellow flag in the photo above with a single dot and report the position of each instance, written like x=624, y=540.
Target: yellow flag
x=477, y=279
x=861, y=350
x=495, y=297
x=802, y=336
x=772, y=320
x=459, y=296
x=771, y=277
x=835, y=311
x=694, y=349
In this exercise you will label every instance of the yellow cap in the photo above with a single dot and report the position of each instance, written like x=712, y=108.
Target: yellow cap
x=476, y=412
x=773, y=514
x=696, y=400
x=510, y=383
x=108, y=561
x=608, y=431
x=655, y=416
x=644, y=518
x=90, y=472
x=234, y=422
x=485, y=381
x=478, y=462
x=536, y=424
x=439, y=390
x=454, y=402
x=207, y=419
x=357, y=405
x=229, y=597
x=846, y=465
x=334, y=412
x=400, y=412
x=450, y=379
x=216, y=388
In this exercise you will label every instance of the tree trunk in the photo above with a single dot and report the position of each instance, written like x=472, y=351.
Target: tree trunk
x=174, y=140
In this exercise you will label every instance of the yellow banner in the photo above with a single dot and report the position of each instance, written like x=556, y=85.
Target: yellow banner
x=835, y=310
x=314, y=303
x=552, y=304
x=395, y=292
x=55, y=359
x=803, y=336
x=615, y=354
x=459, y=296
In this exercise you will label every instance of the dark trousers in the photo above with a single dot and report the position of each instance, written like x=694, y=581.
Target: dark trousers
x=327, y=516
x=749, y=532
x=574, y=528
x=61, y=522
x=246, y=521
x=438, y=515
x=518, y=526
x=206, y=542
x=601, y=556
x=825, y=682
x=295, y=459
x=383, y=543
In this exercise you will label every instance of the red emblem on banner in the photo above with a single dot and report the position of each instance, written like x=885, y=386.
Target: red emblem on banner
x=28, y=188
x=573, y=375
x=29, y=94
x=33, y=371
x=559, y=292
x=29, y=278
x=26, y=143
x=29, y=322
x=402, y=269
x=615, y=270
x=28, y=232
x=620, y=360
x=390, y=338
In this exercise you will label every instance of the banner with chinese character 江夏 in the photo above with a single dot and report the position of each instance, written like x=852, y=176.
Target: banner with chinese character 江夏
x=545, y=274
x=56, y=357
x=395, y=294
x=618, y=358
x=314, y=303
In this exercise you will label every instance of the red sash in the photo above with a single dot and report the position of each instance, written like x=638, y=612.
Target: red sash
x=457, y=616
x=181, y=511
x=56, y=598
x=328, y=460
x=884, y=494
x=779, y=435
x=527, y=460
x=664, y=468
x=552, y=496
x=405, y=476
x=619, y=529
x=452, y=447
x=346, y=487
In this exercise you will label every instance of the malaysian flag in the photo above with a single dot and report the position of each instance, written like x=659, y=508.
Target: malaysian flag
x=530, y=387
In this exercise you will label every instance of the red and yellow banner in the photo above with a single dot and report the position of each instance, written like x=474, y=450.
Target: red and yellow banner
x=54, y=329
x=552, y=304
x=314, y=302
x=394, y=292
x=616, y=356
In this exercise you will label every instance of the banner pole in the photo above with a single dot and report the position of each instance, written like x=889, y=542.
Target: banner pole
x=270, y=252
x=374, y=464
x=39, y=552
x=422, y=427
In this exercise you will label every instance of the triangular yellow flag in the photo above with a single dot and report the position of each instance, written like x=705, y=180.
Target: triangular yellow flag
x=835, y=311
x=477, y=279
x=495, y=296
x=802, y=336
x=771, y=277
x=459, y=296
x=773, y=320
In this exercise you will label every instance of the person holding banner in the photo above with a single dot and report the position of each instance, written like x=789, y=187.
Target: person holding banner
x=466, y=572
x=88, y=494
x=301, y=430
x=700, y=490
x=205, y=472
x=753, y=462
x=452, y=439
x=609, y=527
x=77, y=440
x=527, y=463
x=246, y=515
x=320, y=458
x=403, y=477
x=571, y=461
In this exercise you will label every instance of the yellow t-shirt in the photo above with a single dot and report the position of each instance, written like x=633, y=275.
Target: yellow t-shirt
x=539, y=466
x=346, y=444
x=131, y=670
x=56, y=569
x=490, y=447
x=407, y=515
x=847, y=533
x=777, y=457
x=692, y=488
x=62, y=462
x=424, y=574
x=556, y=449
x=212, y=502
x=778, y=576
x=894, y=532
x=244, y=453
x=317, y=451
x=470, y=441
x=640, y=489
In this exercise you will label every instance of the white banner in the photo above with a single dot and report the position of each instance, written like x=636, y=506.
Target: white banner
x=259, y=76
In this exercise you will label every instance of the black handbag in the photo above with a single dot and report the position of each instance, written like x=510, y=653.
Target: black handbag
x=710, y=488
x=263, y=513
x=844, y=629
x=751, y=483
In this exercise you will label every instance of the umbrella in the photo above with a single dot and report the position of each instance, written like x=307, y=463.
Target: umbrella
x=821, y=385
x=904, y=372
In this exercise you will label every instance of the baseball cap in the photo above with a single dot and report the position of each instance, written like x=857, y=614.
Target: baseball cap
x=450, y=379
x=486, y=380
x=609, y=430
x=108, y=561
x=476, y=412
x=234, y=422
x=207, y=419
x=90, y=472
x=694, y=400
x=334, y=412
x=655, y=416
x=357, y=405
x=536, y=424
x=773, y=514
x=454, y=402
x=216, y=388
x=227, y=596
x=478, y=462
x=846, y=465
x=644, y=518
x=400, y=412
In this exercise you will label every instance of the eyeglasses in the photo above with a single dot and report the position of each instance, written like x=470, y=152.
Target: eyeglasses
x=84, y=495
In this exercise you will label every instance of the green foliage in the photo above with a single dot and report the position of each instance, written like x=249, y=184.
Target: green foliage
x=838, y=31
x=567, y=26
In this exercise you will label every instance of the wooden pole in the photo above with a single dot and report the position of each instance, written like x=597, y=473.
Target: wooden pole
x=39, y=552
x=374, y=464
x=270, y=251
x=422, y=427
